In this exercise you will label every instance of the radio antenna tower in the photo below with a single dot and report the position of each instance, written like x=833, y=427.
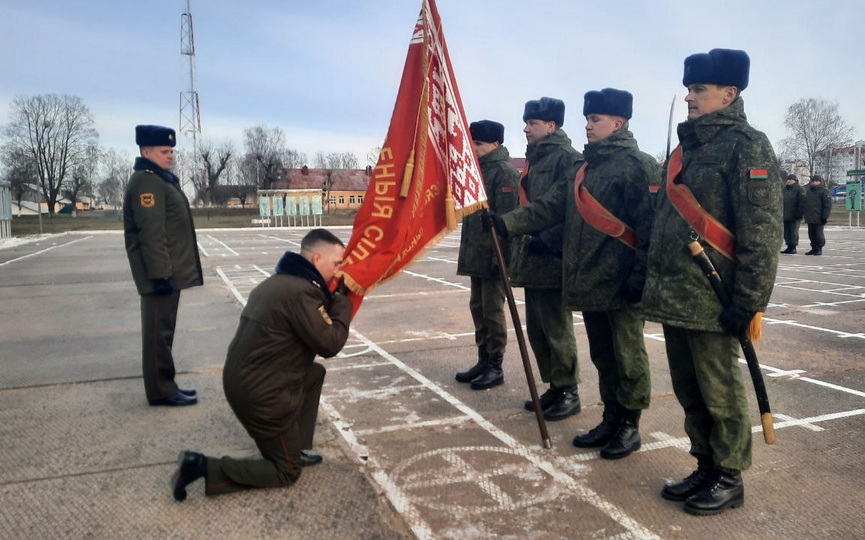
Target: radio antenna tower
x=190, y=120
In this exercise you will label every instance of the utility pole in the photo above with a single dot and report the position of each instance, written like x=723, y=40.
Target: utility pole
x=190, y=120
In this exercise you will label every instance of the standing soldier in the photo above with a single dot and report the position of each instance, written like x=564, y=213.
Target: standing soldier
x=818, y=206
x=607, y=211
x=536, y=260
x=478, y=261
x=794, y=209
x=163, y=254
x=723, y=186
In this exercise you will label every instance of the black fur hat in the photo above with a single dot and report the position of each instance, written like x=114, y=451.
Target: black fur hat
x=154, y=136
x=609, y=101
x=724, y=67
x=487, y=131
x=792, y=176
x=547, y=109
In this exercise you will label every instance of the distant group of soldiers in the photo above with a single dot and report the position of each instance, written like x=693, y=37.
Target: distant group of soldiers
x=606, y=232
x=813, y=204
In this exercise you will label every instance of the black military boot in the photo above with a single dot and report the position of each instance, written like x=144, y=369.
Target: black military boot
x=492, y=374
x=692, y=483
x=791, y=250
x=566, y=404
x=818, y=251
x=725, y=491
x=546, y=399
x=812, y=252
x=626, y=439
x=475, y=370
x=603, y=432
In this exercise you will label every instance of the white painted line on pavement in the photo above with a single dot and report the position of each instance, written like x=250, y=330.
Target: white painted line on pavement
x=398, y=497
x=223, y=244
x=44, y=250
x=438, y=280
x=455, y=421
x=286, y=240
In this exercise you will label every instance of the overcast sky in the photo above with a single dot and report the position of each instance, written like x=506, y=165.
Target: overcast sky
x=327, y=71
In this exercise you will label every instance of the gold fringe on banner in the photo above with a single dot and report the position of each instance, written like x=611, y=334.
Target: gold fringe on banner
x=755, y=330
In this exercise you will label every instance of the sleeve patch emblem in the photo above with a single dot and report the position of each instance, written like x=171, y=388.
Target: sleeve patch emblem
x=148, y=200
x=324, y=315
x=758, y=174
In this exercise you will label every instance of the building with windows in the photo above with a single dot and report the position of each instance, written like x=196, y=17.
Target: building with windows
x=343, y=189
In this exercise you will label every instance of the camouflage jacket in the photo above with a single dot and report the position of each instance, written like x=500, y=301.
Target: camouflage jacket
x=818, y=205
x=476, y=256
x=722, y=159
x=158, y=229
x=597, y=266
x=794, y=202
x=552, y=161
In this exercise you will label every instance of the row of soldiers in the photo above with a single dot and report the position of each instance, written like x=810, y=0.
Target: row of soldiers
x=605, y=232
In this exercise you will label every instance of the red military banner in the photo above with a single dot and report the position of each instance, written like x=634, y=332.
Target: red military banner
x=427, y=173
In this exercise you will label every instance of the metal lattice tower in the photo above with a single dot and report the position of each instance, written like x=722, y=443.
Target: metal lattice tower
x=190, y=120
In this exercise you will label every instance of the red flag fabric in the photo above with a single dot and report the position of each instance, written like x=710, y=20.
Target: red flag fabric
x=427, y=173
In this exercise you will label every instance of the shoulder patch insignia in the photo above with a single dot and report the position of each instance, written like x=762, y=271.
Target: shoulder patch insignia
x=758, y=174
x=324, y=315
x=148, y=200
x=654, y=188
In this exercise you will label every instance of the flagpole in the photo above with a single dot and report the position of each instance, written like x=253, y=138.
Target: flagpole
x=521, y=340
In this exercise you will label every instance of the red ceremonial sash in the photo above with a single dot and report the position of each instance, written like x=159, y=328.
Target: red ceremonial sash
x=524, y=199
x=709, y=228
x=594, y=213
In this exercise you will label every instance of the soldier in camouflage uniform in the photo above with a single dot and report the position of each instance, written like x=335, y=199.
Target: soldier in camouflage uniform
x=605, y=266
x=536, y=260
x=163, y=255
x=477, y=260
x=794, y=208
x=818, y=206
x=733, y=174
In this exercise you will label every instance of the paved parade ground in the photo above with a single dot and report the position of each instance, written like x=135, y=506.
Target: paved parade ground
x=409, y=452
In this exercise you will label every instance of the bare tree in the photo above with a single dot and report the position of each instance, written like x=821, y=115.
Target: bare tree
x=114, y=170
x=55, y=132
x=21, y=174
x=81, y=180
x=814, y=128
x=215, y=161
x=330, y=163
x=266, y=149
x=372, y=156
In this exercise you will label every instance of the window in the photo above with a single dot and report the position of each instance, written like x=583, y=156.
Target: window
x=332, y=199
x=360, y=199
x=341, y=199
x=351, y=199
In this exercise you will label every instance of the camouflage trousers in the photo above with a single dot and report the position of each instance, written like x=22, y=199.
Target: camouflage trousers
x=619, y=353
x=487, y=306
x=550, y=327
x=707, y=380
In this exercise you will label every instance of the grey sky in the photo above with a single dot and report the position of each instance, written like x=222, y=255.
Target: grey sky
x=327, y=72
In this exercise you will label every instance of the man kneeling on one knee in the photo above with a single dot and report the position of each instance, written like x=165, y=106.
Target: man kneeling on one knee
x=270, y=379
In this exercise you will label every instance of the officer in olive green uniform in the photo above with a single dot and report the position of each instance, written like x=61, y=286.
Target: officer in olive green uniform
x=731, y=170
x=477, y=260
x=605, y=261
x=818, y=206
x=536, y=260
x=794, y=209
x=163, y=255
x=271, y=379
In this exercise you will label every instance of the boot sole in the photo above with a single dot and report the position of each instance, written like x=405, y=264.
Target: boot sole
x=714, y=511
x=487, y=386
x=178, y=491
x=556, y=418
x=622, y=455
